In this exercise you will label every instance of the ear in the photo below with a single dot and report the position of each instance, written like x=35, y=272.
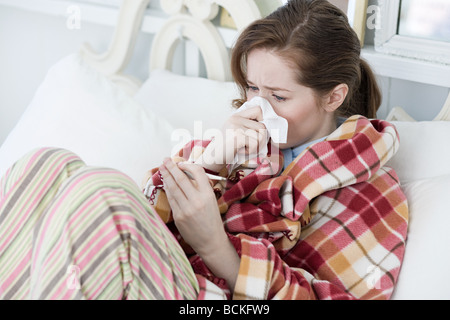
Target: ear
x=336, y=98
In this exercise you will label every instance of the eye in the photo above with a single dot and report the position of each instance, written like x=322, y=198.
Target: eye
x=252, y=88
x=278, y=98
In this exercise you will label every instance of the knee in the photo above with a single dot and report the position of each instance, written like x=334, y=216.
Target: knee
x=47, y=156
x=40, y=163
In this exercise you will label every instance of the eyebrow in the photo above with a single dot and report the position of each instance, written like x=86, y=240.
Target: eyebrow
x=270, y=88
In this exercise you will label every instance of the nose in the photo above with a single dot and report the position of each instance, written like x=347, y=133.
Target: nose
x=263, y=94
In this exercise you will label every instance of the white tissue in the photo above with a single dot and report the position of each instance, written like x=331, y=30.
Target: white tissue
x=277, y=127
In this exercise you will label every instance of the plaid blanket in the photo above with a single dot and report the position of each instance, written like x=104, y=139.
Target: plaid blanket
x=332, y=225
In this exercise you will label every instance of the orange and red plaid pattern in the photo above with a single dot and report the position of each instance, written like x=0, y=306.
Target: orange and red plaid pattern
x=332, y=225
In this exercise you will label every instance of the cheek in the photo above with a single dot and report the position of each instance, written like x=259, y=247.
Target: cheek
x=293, y=114
x=300, y=121
x=299, y=112
x=250, y=95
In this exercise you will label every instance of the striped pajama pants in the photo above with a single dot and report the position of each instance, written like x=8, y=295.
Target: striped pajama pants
x=69, y=231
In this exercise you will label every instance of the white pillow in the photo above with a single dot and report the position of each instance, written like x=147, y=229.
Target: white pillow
x=425, y=271
x=424, y=151
x=192, y=105
x=78, y=109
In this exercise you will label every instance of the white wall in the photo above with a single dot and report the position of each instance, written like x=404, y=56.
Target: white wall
x=421, y=101
x=31, y=42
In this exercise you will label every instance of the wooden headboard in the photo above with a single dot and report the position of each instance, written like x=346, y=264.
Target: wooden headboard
x=188, y=20
x=191, y=22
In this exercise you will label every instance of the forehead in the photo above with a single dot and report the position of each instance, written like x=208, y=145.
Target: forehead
x=265, y=65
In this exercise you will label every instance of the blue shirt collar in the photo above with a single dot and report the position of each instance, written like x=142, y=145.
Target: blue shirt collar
x=291, y=153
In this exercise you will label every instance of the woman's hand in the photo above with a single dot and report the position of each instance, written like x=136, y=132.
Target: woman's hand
x=242, y=133
x=194, y=205
x=197, y=217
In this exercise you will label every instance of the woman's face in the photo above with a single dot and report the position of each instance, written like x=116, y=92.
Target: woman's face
x=272, y=78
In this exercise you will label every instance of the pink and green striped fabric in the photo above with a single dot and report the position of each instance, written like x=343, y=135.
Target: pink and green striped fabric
x=69, y=231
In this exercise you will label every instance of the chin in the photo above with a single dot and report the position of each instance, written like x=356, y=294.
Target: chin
x=281, y=145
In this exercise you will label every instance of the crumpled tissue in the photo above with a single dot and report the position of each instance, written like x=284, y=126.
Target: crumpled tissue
x=277, y=127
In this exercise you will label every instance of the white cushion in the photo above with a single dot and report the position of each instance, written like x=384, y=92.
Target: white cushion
x=425, y=271
x=423, y=166
x=78, y=109
x=424, y=150
x=193, y=105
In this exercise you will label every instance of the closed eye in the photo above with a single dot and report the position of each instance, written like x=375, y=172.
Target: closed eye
x=252, y=88
x=278, y=98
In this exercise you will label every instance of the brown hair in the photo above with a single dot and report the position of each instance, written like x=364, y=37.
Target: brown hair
x=316, y=38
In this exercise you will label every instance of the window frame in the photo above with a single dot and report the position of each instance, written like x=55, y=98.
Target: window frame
x=388, y=41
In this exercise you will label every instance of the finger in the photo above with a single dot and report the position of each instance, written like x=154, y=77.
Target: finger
x=253, y=113
x=173, y=203
x=252, y=145
x=252, y=134
x=249, y=124
x=180, y=205
x=249, y=118
x=187, y=185
x=173, y=192
x=198, y=174
x=254, y=139
x=262, y=137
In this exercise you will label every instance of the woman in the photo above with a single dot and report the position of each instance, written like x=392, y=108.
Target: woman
x=322, y=219
x=305, y=60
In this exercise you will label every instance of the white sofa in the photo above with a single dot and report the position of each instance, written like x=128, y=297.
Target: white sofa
x=86, y=113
